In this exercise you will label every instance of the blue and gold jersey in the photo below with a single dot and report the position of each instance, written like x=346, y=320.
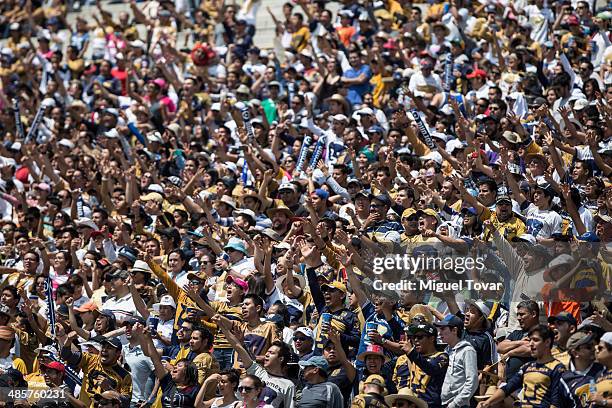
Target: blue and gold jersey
x=604, y=384
x=576, y=386
x=541, y=384
x=423, y=374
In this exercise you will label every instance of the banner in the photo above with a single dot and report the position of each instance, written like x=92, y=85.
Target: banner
x=50, y=306
x=303, y=152
x=448, y=72
x=318, y=152
x=423, y=129
x=18, y=123
x=246, y=118
x=35, y=123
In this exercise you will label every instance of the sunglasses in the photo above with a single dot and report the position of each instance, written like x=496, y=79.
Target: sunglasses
x=195, y=282
x=418, y=337
x=245, y=389
x=300, y=338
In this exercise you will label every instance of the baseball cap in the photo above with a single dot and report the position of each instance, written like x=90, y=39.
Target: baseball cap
x=563, y=317
x=316, y=361
x=306, y=331
x=578, y=339
x=119, y=274
x=607, y=338
x=376, y=380
x=239, y=282
x=580, y=104
x=287, y=186
x=430, y=212
x=340, y=118
x=502, y=198
x=55, y=365
x=383, y=198
x=237, y=245
x=525, y=238
x=153, y=196
x=86, y=307
x=422, y=327
x=114, y=342
x=335, y=285
x=482, y=308
x=450, y=321
x=477, y=73
x=322, y=194
x=167, y=300
x=47, y=350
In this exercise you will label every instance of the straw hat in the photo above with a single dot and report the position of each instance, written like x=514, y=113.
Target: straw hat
x=405, y=394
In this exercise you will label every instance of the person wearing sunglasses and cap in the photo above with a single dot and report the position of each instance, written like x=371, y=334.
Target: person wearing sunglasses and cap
x=422, y=367
x=603, y=384
x=582, y=368
x=318, y=391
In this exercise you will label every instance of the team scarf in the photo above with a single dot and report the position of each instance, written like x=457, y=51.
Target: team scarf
x=18, y=123
x=318, y=152
x=448, y=73
x=35, y=123
x=246, y=118
x=303, y=152
x=423, y=129
x=50, y=305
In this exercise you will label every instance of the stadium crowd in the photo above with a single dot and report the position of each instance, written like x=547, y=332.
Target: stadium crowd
x=190, y=220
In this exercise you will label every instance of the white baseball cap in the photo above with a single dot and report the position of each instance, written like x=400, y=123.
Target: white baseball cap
x=167, y=300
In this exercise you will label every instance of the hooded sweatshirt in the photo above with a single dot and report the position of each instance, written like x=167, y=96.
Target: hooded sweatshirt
x=461, y=380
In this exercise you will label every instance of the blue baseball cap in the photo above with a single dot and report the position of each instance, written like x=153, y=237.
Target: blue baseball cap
x=589, y=237
x=237, y=245
x=316, y=361
x=323, y=195
x=450, y=321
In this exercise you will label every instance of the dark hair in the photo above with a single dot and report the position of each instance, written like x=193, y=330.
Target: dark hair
x=284, y=352
x=257, y=300
x=65, y=289
x=545, y=332
x=75, y=280
x=191, y=371
x=530, y=305
x=283, y=311
x=257, y=383
x=36, y=254
x=233, y=376
x=14, y=291
x=206, y=334
x=181, y=254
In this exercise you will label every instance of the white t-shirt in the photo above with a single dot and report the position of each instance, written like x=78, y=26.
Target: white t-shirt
x=165, y=330
x=542, y=223
x=122, y=308
x=279, y=391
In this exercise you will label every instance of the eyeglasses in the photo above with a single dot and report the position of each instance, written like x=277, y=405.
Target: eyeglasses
x=245, y=389
x=418, y=337
x=195, y=282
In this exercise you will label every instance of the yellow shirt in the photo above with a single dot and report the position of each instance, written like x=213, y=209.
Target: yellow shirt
x=95, y=374
x=508, y=229
x=183, y=302
x=258, y=339
x=300, y=39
